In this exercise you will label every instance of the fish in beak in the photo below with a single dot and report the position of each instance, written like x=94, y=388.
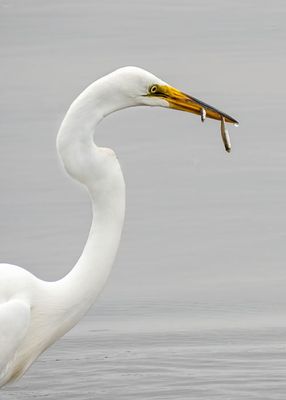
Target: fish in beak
x=182, y=101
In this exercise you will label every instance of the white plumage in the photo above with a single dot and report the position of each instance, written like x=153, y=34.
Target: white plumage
x=35, y=313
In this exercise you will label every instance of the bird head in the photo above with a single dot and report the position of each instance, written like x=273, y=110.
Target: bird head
x=141, y=87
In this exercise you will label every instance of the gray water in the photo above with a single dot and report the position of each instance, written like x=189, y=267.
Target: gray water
x=195, y=306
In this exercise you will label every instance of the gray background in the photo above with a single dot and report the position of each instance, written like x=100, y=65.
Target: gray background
x=203, y=246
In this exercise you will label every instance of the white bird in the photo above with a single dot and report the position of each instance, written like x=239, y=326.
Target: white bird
x=35, y=313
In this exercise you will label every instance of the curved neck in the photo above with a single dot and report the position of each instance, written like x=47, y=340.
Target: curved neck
x=99, y=171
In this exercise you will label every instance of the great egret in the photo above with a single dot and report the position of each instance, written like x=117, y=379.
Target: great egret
x=35, y=313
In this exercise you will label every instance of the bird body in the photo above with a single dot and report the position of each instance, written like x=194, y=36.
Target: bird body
x=35, y=313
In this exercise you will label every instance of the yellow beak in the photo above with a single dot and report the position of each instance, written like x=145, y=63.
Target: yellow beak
x=181, y=101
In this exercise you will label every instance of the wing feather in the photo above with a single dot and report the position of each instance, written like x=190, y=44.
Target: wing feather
x=14, y=323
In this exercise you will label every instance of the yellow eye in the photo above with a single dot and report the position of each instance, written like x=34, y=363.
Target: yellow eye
x=154, y=89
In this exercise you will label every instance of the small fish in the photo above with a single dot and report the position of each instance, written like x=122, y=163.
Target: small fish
x=225, y=135
x=203, y=114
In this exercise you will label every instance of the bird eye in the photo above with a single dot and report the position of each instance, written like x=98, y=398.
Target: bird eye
x=154, y=89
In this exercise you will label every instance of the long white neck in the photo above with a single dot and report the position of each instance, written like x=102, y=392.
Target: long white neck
x=99, y=171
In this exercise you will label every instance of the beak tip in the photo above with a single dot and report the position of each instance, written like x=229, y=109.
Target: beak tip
x=231, y=120
x=234, y=121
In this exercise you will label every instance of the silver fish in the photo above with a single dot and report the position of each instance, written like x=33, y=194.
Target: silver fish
x=225, y=135
x=203, y=114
